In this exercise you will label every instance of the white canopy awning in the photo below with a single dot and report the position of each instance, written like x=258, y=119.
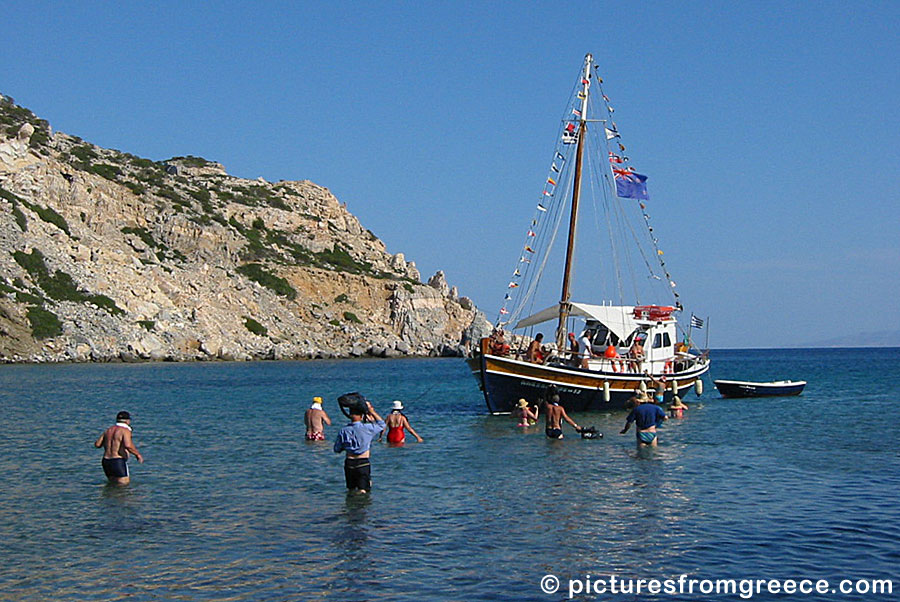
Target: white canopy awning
x=619, y=319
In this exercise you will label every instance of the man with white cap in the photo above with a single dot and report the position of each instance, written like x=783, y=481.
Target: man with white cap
x=316, y=418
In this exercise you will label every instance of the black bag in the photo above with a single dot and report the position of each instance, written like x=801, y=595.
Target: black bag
x=353, y=401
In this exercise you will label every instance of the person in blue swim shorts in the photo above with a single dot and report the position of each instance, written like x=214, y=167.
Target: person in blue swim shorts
x=646, y=416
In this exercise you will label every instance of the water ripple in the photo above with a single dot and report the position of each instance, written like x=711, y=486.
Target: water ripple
x=232, y=504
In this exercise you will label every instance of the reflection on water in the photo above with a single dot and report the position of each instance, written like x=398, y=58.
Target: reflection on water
x=233, y=504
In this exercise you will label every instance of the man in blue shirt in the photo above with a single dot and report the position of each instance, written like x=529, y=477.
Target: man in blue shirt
x=355, y=439
x=646, y=416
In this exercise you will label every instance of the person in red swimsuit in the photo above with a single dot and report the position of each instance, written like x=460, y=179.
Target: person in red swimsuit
x=396, y=422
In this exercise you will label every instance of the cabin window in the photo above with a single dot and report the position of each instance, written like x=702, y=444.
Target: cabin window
x=604, y=337
x=661, y=339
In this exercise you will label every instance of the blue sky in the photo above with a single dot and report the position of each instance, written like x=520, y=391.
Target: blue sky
x=769, y=130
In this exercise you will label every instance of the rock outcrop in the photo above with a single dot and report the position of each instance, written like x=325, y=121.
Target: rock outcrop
x=107, y=256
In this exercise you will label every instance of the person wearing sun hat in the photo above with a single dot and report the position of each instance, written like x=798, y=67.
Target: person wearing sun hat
x=396, y=422
x=527, y=416
x=677, y=408
x=316, y=418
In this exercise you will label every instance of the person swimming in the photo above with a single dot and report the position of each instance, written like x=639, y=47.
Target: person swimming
x=396, y=422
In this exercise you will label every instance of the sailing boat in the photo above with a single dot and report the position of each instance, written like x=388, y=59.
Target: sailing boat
x=619, y=347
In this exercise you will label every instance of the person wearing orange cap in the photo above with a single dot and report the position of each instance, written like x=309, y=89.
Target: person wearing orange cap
x=316, y=418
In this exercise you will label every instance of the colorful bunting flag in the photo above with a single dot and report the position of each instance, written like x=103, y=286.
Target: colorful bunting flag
x=614, y=158
x=551, y=181
x=560, y=156
x=503, y=311
x=570, y=127
x=531, y=233
x=541, y=207
x=529, y=249
x=513, y=285
x=554, y=168
x=611, y=133
x=576, y=112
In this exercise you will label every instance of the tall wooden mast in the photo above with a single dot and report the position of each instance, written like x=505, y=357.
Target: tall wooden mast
x=564, y=306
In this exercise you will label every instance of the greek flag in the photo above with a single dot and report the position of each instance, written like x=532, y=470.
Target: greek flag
x=696, y=322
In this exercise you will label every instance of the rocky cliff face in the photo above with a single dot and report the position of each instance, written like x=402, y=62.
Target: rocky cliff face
x=105, y=256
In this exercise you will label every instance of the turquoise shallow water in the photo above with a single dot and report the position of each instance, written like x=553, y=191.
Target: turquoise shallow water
x=233, y=504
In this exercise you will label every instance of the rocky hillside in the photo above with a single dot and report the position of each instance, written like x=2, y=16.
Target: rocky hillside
x=105, y=256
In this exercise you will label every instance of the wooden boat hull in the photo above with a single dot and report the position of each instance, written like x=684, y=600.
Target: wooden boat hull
x=736, y=388
x=504, y=381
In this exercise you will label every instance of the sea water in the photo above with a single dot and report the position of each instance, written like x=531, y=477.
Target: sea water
x=232, y=503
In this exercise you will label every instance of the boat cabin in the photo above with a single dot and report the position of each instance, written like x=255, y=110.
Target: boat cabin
x=614, y=330
x=656, y=335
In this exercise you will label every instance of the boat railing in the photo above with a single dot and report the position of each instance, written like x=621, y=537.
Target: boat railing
x=673, y=364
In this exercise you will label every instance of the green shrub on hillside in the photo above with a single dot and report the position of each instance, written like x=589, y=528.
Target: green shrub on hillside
x=50, y=216
x=255, y=327
x=13, y=117
x=106, y=170
x=342, y=260
x=23, y=297
x=44, y=323
x=191, y=161
x=277, y=284
x=145, y=236
x=136, y=188
x=84, y=153
x=45, y=213
x=59, y=286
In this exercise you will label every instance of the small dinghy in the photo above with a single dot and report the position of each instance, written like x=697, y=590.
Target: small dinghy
x=778, y=388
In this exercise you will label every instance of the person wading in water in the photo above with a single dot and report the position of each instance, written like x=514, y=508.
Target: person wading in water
x=116, y=443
